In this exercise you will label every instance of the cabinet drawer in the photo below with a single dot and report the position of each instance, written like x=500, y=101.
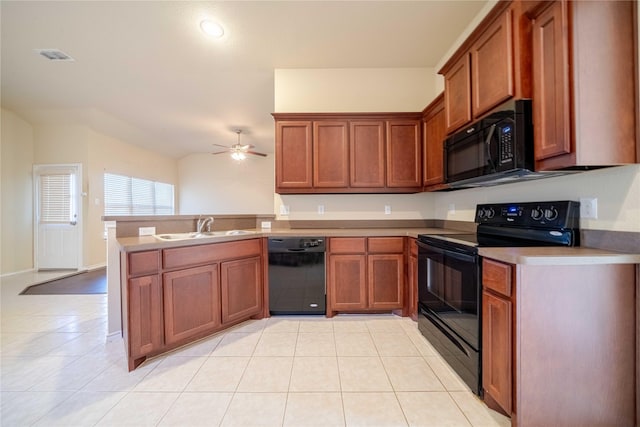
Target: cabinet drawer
x=497, y=276
x=386, y=245
x=143, y=263
x=206, y=254
x=347, y=245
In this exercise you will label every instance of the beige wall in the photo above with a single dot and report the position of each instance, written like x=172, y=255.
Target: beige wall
x=353, y=89
x=16, y=154
x=24, y=145
x=220, y=185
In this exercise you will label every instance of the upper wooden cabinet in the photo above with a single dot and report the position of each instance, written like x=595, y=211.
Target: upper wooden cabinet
x=489, y=68
x=367, y=154
x=404, y=154
x=294, y=154
x=348, y=153
x=584, y=83
x=434, y=132
x=330, y=154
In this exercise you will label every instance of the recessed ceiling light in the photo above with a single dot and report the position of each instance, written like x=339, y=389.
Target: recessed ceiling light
x=211, y=28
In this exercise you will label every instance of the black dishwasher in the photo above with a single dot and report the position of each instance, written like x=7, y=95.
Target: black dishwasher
x=297, y=275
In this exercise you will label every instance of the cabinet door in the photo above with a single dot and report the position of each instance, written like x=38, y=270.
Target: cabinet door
x=404, y=154
x=241, y=289
x=457, y=94
x=367, y=154
x=191, y=302
x=385, y=277
x=550, y=58
x=492, y=65
x=293, y=154
x=412, y=284
x=346, y=283
x=497, y=348
x=144, y=316
x=330, y=154
x=433, y=148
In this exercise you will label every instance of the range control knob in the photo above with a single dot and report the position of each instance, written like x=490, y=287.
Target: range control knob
x=537, y=213
x=550, y=214
x=486, y=213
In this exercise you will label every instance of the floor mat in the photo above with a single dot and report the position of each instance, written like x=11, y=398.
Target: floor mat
x=88, y=282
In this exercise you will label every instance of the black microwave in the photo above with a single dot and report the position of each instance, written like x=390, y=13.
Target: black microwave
x=496, y=149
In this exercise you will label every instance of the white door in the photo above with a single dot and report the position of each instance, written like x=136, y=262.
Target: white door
x=58, y=227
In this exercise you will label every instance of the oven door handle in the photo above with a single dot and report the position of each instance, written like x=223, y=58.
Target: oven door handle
x=448, y=252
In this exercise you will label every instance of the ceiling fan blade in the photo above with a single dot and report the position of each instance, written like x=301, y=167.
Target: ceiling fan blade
x=223, y=146
x=255, y=153
x=220, y=152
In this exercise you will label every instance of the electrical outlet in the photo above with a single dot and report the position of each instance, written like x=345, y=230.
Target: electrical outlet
x=452, y=208
x=265, y=225
x=284, y=209
x=387, y=209
x=320, y=209
x=146, y=231
x=589, y=207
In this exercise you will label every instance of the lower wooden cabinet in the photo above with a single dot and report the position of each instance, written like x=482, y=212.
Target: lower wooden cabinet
x=496, y=339
x=195, y=291
x=412, y=280
x=191, y=302
x=241, y=289
x=361, y=277
x=144, y=295
x=556, y=339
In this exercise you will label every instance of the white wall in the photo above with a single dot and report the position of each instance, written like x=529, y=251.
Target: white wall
x=16, y=155
x=220, y=185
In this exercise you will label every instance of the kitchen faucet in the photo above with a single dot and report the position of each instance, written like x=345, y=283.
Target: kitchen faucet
x=204, y=222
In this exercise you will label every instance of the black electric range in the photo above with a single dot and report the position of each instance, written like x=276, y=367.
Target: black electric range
x=449, y=274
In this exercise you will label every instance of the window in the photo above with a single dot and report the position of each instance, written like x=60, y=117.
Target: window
x=56, y=197
x=124, y=195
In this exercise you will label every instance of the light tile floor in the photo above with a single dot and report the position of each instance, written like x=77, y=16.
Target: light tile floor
x=57, y=369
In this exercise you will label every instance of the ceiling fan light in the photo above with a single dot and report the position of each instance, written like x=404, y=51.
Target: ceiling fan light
x=238, y=155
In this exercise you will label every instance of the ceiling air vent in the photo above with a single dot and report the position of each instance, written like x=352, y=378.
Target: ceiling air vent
x=54, y=55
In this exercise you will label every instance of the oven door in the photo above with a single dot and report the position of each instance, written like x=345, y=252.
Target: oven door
x=449, y=289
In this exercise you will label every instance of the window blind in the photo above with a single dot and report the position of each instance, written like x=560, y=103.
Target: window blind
x=124, y=195
x=55, y=198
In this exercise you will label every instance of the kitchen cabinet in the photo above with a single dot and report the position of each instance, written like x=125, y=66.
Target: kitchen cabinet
x=294, y=154
x=434, y=125
x=143, y=303
x=491, y=66
x=191, y=302
x=557, y=338
x=583, y=76
x=496, y=333
x=412, y=280
x=404, y=154
x=330, y=154
x=367, y=154
x=365, y=274
x=176, y=295
x=481, y=74
x=241, y=289
x=350, y=153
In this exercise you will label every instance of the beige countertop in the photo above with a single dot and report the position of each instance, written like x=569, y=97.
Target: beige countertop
x=558, y=256
x=512, y=255
x=139, y=243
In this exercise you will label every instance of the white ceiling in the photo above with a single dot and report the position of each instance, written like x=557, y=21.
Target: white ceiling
x=146, y=74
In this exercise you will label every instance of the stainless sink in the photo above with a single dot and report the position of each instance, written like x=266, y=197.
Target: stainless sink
x=194, y=235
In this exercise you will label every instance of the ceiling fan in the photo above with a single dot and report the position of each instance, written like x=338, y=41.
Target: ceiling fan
x=239, y=151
